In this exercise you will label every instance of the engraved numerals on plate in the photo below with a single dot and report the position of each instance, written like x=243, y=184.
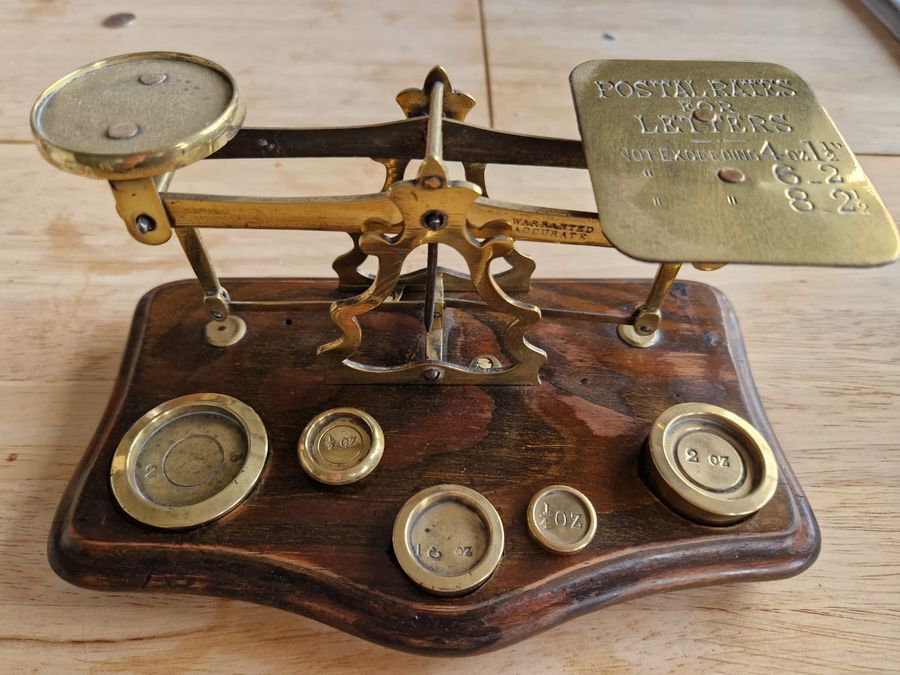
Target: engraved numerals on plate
x=722, y=162
x=340, y=446
x=436, y=554
x=691, y=455
x=824, y=179
x=710, y=461
x=351, y=440
x=448, y=539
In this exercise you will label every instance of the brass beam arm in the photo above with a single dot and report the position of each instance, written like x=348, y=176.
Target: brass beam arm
x=332, y=214
x=314, y=305
x=349, y=214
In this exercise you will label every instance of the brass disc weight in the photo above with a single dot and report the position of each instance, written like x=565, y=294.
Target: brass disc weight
x=189, y=461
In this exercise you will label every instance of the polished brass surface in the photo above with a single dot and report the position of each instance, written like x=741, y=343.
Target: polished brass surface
x=561, y=519
x=692, y=162
x=487, y=217
x=331, y=214
x=433, y=210
x=632, y=338
x=643, y=329
x=414, y=103
x=454, y=104
x=709, y=464
x=189, y=461
x=139, y=206
x=225, y=333
x=216, y=301
x=448, y=539
x=768, y=179
x=340, y=446
x=516, y=279
x=485, y=362
x=103, y=121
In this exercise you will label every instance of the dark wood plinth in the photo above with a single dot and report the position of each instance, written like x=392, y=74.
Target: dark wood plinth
x=325, y=552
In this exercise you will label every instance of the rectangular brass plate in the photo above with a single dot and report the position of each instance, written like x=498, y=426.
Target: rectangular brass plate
x=663, y=139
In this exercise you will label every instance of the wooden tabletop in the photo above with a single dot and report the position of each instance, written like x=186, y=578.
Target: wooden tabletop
x=824, y=345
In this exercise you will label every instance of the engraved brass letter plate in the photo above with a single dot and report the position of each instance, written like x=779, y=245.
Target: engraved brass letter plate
x=719, y=162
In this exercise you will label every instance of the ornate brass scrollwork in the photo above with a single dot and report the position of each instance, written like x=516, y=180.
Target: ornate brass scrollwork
x=456, y=105
x=434, y=211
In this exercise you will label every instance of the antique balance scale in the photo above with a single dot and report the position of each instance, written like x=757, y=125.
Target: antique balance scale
x=449, y=461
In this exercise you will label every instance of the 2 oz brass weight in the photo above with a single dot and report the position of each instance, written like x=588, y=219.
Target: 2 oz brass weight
x=709, y=464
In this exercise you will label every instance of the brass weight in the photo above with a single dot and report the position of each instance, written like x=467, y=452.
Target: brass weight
x=709, y=464
x=448, y=539
x=189, y=461
x=561, y=519
x=341, y=446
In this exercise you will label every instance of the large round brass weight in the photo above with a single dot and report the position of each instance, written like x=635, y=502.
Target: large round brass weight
x=709, y=464
x=189, y=461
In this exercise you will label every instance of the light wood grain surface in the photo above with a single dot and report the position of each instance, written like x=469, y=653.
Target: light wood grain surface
x=823, y=344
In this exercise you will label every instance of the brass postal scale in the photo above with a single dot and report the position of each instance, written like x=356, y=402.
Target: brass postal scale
x=449, y=460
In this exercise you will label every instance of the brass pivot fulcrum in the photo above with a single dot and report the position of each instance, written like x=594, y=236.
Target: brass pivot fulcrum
x=643, y=330
x=225, y=332
x=433, y=211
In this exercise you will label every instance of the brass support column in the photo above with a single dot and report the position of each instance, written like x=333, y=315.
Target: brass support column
x=643, y=329
x=215, y=297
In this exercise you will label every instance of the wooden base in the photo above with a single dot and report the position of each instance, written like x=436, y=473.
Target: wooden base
x=325, y=552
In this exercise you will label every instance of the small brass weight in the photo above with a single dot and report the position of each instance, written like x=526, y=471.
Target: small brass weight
x=451, y=460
